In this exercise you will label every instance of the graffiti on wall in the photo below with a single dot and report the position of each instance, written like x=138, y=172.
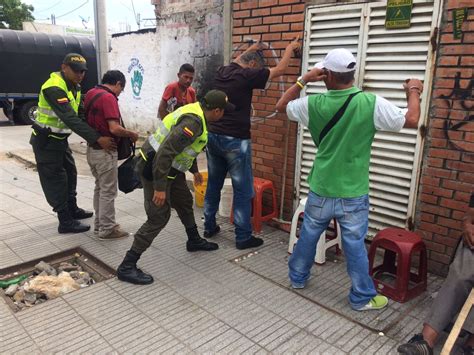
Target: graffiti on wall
x=464, y=96
x=460, y=94
x=137, y=72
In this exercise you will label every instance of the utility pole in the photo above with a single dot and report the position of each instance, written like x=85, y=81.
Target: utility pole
x=101, y=43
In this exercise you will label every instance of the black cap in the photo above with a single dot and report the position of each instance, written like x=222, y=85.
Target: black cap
x=217, y=99
x=76, y=61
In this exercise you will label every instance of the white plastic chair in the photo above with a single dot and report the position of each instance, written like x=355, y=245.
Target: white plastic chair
x=323, y=244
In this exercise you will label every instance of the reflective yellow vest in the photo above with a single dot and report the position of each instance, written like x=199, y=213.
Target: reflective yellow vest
x=184, y=160
x=45, y=116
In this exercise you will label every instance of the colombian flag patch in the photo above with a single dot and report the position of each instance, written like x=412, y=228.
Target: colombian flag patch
x=62, y=100
x=188, y=132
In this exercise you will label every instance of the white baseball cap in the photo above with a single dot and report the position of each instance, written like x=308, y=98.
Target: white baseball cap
x=339, y=60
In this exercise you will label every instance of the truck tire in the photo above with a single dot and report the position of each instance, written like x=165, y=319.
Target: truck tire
x=24, y=113
x=4, y=104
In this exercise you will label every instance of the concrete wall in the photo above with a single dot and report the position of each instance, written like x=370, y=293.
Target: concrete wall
x=137, y=55
x=194, y=38
x=191, y=31
x=44, y=28
x=188, y=31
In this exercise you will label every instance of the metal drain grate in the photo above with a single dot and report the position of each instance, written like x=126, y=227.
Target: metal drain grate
x=98, y=270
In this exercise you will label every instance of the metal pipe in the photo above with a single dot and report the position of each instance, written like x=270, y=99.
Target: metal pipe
x=285, y=164
x=101, y=47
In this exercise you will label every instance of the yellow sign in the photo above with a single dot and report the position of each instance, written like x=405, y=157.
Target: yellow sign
x=398, y=13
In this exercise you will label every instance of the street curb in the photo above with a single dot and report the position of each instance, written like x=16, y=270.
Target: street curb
x=28, y=163
x=32, y=165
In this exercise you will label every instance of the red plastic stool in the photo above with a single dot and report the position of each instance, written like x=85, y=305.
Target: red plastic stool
x=259, y=186
x=399, y=246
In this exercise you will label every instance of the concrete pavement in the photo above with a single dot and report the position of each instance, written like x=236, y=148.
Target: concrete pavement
x=228, y=301
x=15, y=143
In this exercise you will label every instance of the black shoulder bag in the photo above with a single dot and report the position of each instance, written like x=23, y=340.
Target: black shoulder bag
x=125, y=146
x=128, y=179
x=335, y=119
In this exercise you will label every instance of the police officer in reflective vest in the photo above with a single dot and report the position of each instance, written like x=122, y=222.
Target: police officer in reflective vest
x=60, y=112
x=163, y=161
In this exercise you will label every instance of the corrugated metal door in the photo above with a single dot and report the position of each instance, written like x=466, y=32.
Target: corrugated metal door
x=385, y=59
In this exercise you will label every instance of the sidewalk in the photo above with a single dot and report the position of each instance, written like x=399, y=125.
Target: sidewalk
x=218, y=302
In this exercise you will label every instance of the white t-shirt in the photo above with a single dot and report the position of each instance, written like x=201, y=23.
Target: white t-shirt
x=387, y=116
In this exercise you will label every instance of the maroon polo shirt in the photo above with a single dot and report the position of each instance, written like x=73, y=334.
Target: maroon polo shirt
x=104, y=109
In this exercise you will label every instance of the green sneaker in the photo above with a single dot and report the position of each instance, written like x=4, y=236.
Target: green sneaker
x=378, y=302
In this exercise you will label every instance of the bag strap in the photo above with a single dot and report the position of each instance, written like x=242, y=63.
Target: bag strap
x=122, y=123
x=336, y=117
x=88, y=108
x=92, y=101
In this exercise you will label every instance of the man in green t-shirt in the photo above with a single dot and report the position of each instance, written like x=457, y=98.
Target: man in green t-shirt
x=339, y=179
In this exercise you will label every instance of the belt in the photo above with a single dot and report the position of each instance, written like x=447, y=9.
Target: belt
x=37, y=129
x=95, y=146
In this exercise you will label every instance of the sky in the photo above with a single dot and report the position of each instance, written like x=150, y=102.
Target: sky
x=80, y=13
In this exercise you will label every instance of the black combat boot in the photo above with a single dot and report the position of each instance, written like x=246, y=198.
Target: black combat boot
x=69, y=225
x=128, y=271
x=195, y=242
x=79, y=213
x=76, y=212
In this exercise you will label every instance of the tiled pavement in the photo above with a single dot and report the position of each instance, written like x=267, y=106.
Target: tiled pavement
x=219, y=302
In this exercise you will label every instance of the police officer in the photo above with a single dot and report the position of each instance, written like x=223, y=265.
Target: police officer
x=60, y=112
x=165, y=157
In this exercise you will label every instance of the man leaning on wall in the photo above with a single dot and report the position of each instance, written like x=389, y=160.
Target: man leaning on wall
x=342, y=123
x=229, y=146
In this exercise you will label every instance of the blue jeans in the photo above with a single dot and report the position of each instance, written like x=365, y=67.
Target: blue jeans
x=231, y=155
x=352, y=215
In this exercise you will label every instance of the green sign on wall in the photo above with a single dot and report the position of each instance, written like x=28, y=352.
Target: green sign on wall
x=458, y=18
x=398, y=13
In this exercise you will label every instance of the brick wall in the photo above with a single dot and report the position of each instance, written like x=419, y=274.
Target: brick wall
x=447, y=176
x=275, y=22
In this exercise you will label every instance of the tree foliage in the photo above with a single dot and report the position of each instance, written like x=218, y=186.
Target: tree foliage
x=13, y=13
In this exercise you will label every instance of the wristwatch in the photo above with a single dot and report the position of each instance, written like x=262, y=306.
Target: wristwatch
x=300, y=82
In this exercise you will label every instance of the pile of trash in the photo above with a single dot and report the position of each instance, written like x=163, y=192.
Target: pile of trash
x=45, y=283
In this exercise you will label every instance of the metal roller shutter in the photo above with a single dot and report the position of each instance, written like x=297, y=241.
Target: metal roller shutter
x=385, y=59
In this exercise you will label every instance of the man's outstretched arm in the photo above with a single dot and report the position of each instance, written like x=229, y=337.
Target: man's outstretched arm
x=293, y=92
